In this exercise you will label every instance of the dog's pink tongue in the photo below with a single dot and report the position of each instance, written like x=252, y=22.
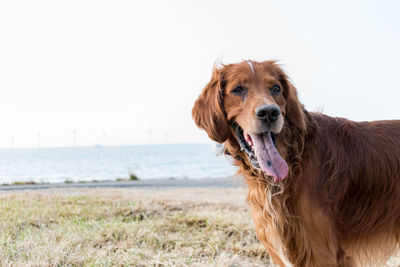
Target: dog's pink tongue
x=268, y=157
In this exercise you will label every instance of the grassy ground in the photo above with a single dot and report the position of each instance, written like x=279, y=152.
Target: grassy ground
x=129, y=227
x=126, y=227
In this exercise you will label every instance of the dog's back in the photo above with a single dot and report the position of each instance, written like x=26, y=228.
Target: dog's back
x=357, y=181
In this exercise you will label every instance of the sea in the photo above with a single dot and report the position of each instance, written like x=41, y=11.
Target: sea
x=100, y=163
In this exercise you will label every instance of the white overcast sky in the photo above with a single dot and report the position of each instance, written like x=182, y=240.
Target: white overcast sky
x=114, y=71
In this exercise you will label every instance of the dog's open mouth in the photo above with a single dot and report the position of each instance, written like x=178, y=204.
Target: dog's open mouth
x=261, y=150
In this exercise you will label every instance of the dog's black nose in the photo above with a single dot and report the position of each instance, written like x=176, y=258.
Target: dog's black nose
x=268, y=113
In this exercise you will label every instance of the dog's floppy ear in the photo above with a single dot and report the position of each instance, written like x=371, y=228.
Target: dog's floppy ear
x=294, y=109
x=208, y=112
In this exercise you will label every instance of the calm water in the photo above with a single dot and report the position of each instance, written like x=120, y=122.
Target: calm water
x=109, y=163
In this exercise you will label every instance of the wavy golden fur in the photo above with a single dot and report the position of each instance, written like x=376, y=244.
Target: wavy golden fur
x=340, y=203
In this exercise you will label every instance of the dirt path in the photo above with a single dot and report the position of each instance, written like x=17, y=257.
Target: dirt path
x=156, y=184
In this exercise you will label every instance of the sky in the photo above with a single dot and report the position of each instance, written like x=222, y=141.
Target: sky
x=128, y=72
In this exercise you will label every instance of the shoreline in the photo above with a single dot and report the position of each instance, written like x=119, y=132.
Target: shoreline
x=154, y=184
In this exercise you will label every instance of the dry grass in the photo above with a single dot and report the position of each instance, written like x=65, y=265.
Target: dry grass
x=129, y=227
x=118, y=227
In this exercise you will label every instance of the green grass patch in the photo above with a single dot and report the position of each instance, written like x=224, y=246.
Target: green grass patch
x=133, y=177
x=23, y=182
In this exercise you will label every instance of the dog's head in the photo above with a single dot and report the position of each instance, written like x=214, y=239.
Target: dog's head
x=250, y=101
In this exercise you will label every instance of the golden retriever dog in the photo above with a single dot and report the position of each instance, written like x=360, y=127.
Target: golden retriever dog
x=323, y=191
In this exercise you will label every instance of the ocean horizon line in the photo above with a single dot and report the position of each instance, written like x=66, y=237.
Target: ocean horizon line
x=57, y=164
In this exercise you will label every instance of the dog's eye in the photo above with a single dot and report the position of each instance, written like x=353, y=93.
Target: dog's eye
x=275, y=90
x=238, y=90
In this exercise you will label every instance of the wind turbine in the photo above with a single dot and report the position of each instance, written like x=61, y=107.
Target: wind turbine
x=104, y=137
x=149, y=133
x=166, y=135
x=74, y=134
x=38, y=141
